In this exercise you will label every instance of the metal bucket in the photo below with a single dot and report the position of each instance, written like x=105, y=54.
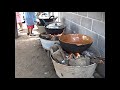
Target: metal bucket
x=64, y=71
x=46, y=44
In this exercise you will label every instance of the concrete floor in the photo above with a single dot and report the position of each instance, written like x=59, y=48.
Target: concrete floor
x=31, y=60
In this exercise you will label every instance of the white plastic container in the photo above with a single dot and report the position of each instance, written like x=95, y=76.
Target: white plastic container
x=46, y=44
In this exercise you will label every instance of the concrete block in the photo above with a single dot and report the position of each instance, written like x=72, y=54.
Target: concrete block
x=86, y=22
x=102, y=53
x=72, y=17
x=98, y=27
x=82, y=30
x=75, y=18
x=94, y=36
x=101, y=43
x=67, y=31
x=67, y=23
x=95, y=15
x=103, y=17
x=68, y=16
x=74, y=28
x=82, y=13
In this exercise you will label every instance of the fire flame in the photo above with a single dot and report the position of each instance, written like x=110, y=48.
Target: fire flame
x=77, y=55
x=71, y=54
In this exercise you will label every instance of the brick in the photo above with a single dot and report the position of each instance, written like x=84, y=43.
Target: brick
x=86, y=22
x=95, y=15
x=75, y=18
x=64, y=15
x=101, y=43
x=94, y=37
x=72, y=17
x=98, y=27
x=68, y=16
x=82, y=13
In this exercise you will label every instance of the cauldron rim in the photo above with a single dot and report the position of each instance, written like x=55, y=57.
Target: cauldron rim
x=91, y=40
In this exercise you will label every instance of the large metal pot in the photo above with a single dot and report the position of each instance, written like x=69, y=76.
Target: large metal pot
x=46, y=20
x=75, y=43
x=55, y=28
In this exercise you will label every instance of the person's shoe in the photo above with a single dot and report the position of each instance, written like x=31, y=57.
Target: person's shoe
x=27, y=33
x=32, y=34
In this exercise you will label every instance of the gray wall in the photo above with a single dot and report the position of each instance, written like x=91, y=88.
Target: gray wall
x=16, y=31
x=88, y=23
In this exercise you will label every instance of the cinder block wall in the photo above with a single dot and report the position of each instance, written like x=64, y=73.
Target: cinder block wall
x=16, y=31
x=88, y=23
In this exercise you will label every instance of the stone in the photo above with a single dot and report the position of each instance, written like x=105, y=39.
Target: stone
x=82, y=61
x=58, y=54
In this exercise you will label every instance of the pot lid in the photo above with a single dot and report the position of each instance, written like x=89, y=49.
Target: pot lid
x=56, y=25
x=43, y=17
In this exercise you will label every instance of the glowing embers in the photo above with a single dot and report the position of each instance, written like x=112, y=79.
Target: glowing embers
x=71, y=56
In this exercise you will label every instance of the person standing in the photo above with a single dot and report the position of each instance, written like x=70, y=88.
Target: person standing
x=19, y=17
x=30, y=20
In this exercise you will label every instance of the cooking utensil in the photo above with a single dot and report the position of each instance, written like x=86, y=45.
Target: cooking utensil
x=55, y=28
x=75, y=43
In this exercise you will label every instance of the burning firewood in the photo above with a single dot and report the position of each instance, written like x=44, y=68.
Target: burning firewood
x=77, y=55
x=69, y=56
x=79, y=60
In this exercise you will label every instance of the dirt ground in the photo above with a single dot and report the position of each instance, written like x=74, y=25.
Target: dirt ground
x=31, y=60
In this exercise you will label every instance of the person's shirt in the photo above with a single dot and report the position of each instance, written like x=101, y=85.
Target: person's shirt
x=30, y=18
x=29, y=14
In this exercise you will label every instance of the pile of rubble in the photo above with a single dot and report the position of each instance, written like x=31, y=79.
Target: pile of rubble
x=84, y=59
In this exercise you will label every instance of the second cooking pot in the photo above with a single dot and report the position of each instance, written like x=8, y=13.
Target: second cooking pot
x=45, y=20
x=55, y=28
